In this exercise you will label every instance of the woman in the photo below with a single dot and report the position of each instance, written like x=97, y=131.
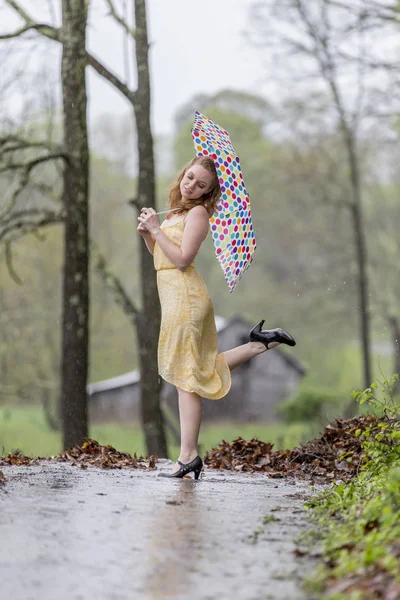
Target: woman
x=187, y=352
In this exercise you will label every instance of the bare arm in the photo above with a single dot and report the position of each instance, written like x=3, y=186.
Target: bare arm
x=148, y=238
x=196, y=228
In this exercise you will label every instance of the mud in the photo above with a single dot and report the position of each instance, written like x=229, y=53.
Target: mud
x=70, y=534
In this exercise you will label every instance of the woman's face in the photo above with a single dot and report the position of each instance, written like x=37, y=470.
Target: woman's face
x=196, y=182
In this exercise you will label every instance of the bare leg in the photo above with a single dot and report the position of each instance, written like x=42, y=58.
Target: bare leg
x=190, y=418
x=190, y=402
x=236, y=356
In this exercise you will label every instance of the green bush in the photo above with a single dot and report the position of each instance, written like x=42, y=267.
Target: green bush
x=359, y=521
x=310, y=404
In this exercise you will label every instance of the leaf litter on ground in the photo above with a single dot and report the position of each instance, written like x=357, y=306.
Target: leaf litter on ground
x=337, y=454
x=91, y=453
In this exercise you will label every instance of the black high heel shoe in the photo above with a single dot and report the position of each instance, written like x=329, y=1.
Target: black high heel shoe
x=194, y=466
x=270, y=335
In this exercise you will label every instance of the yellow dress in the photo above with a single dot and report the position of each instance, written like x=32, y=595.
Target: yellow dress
x=187, y=349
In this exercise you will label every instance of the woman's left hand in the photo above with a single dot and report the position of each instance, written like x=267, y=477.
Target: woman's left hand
x=149, y=220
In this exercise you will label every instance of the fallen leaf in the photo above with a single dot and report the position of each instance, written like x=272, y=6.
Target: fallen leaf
x=337, y=454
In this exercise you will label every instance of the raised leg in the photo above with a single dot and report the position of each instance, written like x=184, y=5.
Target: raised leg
x=237, y=356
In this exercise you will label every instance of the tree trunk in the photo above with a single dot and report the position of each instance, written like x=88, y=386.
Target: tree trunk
x=361, y=254
x=76, y=248
x=148, y=321
x=395, y=329
x=349, y=136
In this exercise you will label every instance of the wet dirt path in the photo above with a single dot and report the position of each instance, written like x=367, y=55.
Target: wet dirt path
x=70, y=534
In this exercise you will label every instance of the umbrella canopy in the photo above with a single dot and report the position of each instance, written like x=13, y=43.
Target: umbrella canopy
x=231, y=225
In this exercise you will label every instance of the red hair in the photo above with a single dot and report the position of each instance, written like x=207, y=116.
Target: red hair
x=208, y=200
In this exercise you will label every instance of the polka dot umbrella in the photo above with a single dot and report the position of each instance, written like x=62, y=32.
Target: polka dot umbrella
x=231, y=225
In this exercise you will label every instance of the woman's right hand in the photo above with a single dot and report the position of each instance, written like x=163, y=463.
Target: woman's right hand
x=142, y=230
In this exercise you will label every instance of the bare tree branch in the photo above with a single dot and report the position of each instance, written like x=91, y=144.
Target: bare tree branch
x=134, y=202
x=113, y=283
x=28, y=222
x=22, y=13
x=13, y=143
x=9, y=262
x=30, y=213
x=54, y=34
x=39, y=235
x=42, y=28
x=320, y=35
x=24, y=222
x=26, y=169
x=52, y=421
x=120, y=19
x=46, y=30
x=147, y=320
x=46, y=190
x=31, y=164
x=110, y=77
x=378, y=10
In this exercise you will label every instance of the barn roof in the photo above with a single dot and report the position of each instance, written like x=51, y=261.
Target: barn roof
x=114, y=382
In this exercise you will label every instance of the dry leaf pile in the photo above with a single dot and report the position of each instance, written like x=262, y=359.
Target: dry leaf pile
x=2, y=478
x=91, y=453
x=106, y=457
x=18, y=459
x=337, y=454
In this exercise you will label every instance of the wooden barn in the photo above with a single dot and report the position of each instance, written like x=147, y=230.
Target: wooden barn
x=257, y=386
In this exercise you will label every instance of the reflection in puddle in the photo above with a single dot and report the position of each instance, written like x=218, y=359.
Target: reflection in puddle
x=175, y=544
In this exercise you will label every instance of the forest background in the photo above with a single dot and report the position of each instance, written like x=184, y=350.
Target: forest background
x=294, y=140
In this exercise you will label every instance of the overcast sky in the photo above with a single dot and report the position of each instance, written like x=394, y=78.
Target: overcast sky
x=196, y=46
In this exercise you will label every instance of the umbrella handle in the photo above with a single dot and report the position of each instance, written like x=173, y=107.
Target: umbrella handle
x=166, y=211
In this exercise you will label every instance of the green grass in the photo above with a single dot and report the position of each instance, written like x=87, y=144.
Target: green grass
x=357, y=524
x=25, y=428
